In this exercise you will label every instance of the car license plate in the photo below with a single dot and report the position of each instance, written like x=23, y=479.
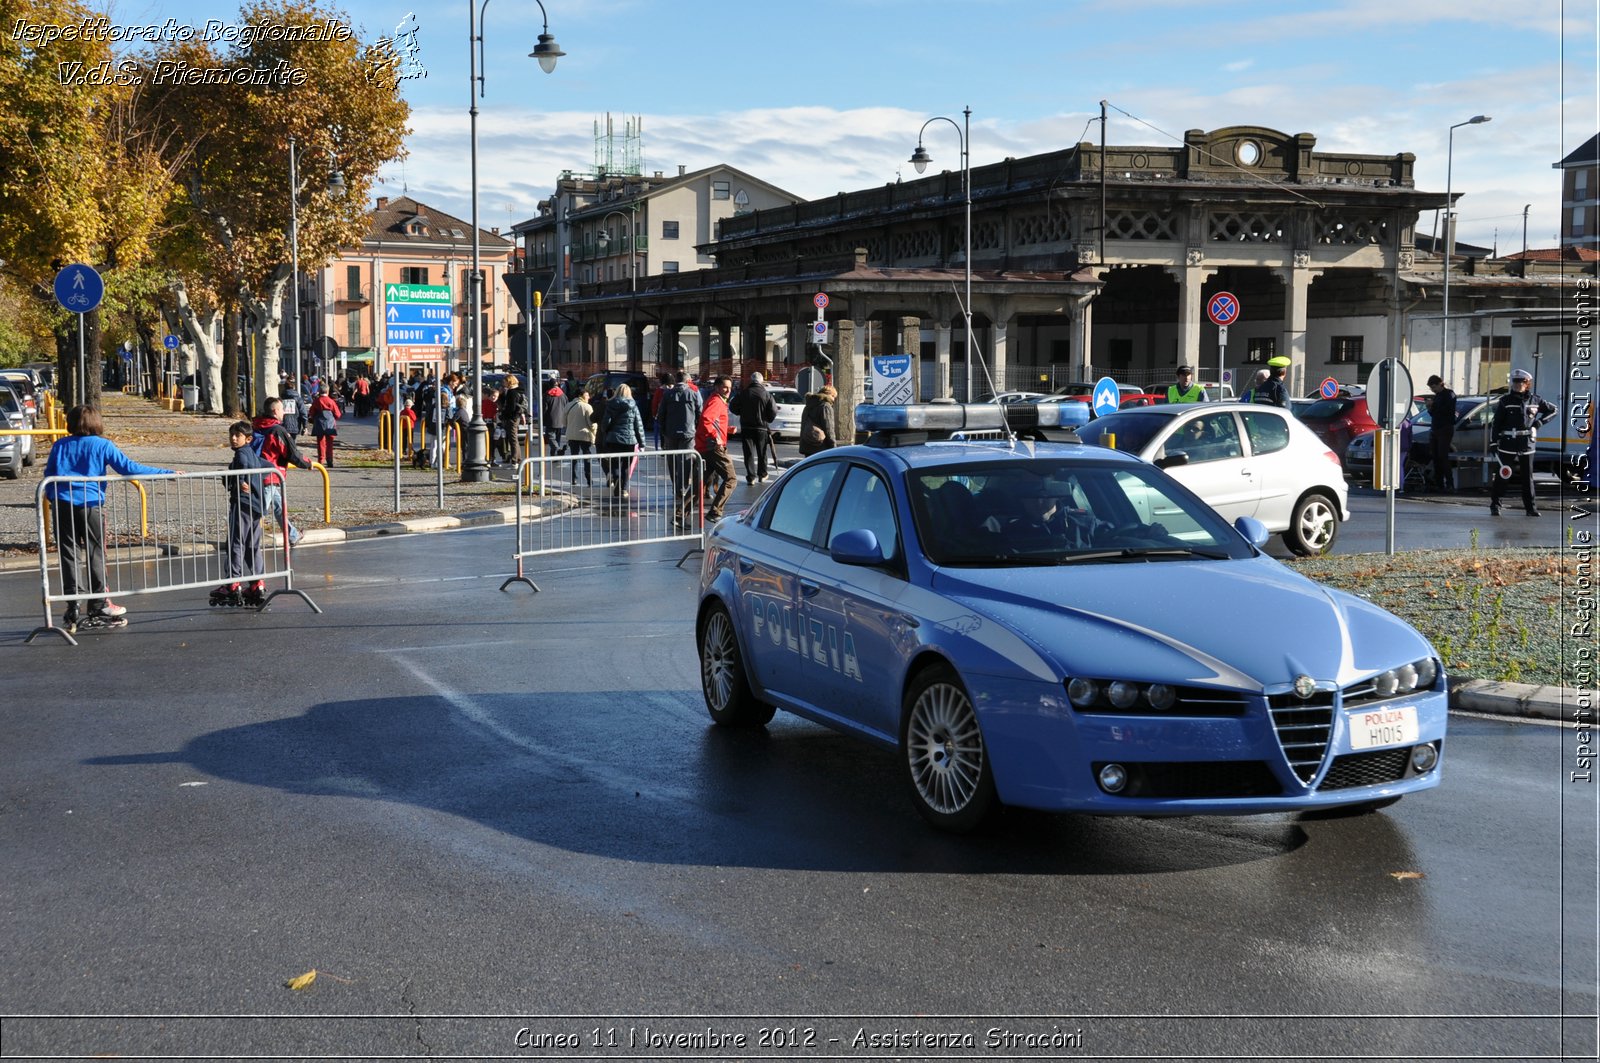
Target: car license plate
x=1376, y=728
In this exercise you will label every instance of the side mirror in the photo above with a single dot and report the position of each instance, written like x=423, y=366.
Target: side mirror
x=1254, y=532
x=858, y=546
x=1168, y=461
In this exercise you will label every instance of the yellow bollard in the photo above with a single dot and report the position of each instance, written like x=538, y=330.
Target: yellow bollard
x=1111, y=440
x=327, y=492
x=144, y=510
x=452, y=436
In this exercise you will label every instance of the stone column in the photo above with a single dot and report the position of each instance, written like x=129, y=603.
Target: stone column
x=999, y=330
x=846, y=378
x=1296, y=292
x=1191, y=279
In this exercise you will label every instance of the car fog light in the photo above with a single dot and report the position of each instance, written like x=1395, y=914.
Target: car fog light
x=1161, y=696
x=1386, y=684
x=1113, y=777
x=1407, y=677
x=1426, y=673
x=1082, y=692
x=1423, y=758
x=1122, y=694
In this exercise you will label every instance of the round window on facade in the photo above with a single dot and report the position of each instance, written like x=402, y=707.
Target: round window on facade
x=1247, y=153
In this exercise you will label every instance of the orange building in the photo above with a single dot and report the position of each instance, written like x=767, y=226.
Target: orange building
x=358, y=315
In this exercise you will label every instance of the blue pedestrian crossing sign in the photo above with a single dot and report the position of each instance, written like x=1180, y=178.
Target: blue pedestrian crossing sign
x=1106, y=396
x=79, y=288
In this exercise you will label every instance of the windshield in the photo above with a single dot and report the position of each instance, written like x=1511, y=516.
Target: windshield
x=1133, y=433
x=1043, y=512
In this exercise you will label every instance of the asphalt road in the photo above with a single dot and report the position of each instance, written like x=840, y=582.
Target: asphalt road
x=493, y=820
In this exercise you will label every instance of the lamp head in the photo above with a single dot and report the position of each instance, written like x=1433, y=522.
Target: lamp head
x=336, y=185
x=1478, y=119
x=547, y=51
x=920, y=158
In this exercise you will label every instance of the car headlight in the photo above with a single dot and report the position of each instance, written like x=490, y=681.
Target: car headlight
x=1418, y=675
x=1120, y=694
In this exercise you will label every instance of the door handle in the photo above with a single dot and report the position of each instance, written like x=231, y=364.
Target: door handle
x=809, y=589
x=746, y=567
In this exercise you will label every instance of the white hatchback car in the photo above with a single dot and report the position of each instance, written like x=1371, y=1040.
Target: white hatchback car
x=791, y=404
x=1244, y=460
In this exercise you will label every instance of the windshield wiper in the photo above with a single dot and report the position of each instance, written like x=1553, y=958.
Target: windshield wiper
x=1174, y=551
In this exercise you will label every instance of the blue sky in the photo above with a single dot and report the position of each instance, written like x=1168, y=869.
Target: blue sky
x=828, y=96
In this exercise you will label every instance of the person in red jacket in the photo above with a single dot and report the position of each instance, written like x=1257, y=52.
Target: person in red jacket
x=275, y=444
x=711, y=440
x=325, y=414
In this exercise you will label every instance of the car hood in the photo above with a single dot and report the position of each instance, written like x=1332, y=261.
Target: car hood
x=1249, y=624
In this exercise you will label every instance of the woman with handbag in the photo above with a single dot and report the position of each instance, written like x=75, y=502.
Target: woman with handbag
x=817, y=423
x=622, y=432
x=325, y=413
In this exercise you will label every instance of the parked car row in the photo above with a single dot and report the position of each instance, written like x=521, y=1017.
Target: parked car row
x=16, y=452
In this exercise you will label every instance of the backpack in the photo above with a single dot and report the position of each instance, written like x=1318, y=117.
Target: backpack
x=258, y=440
x=677, y=412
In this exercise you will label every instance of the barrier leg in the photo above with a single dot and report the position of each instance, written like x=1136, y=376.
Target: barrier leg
x=521, y=576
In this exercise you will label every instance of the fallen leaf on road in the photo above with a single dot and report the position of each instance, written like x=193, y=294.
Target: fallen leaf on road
x=1401, y=875
x=303, y=981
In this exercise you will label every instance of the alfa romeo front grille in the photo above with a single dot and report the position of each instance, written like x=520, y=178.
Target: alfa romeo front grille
x=1372, y=768
x=1304, y=729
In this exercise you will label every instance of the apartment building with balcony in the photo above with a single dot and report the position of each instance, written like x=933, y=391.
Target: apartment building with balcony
x=615, y=230
x=408, y=243
x=1580, y=196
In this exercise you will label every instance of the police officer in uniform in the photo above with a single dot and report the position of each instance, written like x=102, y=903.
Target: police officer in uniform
x=1186, y=390
x=1520, y=414
x=1274, y=392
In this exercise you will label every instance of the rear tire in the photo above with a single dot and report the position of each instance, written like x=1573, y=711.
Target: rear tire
x=941, y=745
x=729, y=699
x=1314, y=525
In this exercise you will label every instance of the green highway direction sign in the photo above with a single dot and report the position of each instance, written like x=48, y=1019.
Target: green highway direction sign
x=418, y=315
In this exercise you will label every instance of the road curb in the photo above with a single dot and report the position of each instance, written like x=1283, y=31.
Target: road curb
x=1518, y=699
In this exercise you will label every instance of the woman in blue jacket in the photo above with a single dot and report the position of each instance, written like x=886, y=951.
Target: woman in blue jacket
x=79, y=522
x=621, y=432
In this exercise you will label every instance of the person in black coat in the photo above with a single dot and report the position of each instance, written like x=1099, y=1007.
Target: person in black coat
x=1442, y=412
x=1515, y=421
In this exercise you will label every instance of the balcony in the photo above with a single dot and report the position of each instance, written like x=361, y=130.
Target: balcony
x=359, y=296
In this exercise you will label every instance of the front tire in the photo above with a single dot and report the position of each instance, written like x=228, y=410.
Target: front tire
x=729, y=699
x=1313, y=526
x=947, y=764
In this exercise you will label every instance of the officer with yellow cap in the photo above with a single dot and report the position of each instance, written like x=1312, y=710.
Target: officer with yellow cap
x=1274, y=392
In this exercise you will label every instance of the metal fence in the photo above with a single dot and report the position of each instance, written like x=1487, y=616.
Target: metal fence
x=152, y=534
x=588, y=502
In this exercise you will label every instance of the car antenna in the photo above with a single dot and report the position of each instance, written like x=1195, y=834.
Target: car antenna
x=1011, y=437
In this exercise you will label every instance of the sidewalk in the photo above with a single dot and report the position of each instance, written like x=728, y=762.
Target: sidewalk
x=362, y=493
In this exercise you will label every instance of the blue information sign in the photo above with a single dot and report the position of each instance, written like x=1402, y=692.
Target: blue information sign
x=1106, y=396
x=170, y=342
x=79, y=288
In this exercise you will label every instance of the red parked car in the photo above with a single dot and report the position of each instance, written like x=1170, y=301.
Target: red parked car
x=1338, y=421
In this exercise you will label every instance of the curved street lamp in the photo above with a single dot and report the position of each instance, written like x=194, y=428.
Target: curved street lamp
x=1447, y=349
x=475, y=469
x=336, y=186
x=633, y=258
x=920, y=159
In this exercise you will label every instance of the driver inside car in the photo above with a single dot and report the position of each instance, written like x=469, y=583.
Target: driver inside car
x=1046, y=519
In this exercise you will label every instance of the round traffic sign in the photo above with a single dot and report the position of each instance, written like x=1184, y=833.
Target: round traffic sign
x=79, y=288
x=820, y=328
x=820, y=300
x=1389, y=392
x=1329, y=389
x=1223, y=308
x=170, y=342
x=1106, y=397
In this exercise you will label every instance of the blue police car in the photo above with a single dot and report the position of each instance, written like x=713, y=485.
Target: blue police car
x=1056, y=626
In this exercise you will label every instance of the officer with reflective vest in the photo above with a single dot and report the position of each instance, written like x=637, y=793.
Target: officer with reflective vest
x=1186, y=390
x=1519, y=414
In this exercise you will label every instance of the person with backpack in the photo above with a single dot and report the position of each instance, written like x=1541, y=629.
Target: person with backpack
x=325, y=414
x=272, y=441
x=513, y=411
x=554, y=414
x=756, y=412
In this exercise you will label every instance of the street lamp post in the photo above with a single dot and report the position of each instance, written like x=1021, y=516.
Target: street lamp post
x=475, y=469
x=1447, y=349
x=920, y=159
x=335, y=184
x=633, y=238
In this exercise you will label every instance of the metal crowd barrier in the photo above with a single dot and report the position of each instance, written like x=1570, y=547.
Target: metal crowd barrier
x=154, y=534
x=571, y=503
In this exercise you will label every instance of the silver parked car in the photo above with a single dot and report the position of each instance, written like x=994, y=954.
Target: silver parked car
x=1244, y=460
x=16, y=452
x=791, y=404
